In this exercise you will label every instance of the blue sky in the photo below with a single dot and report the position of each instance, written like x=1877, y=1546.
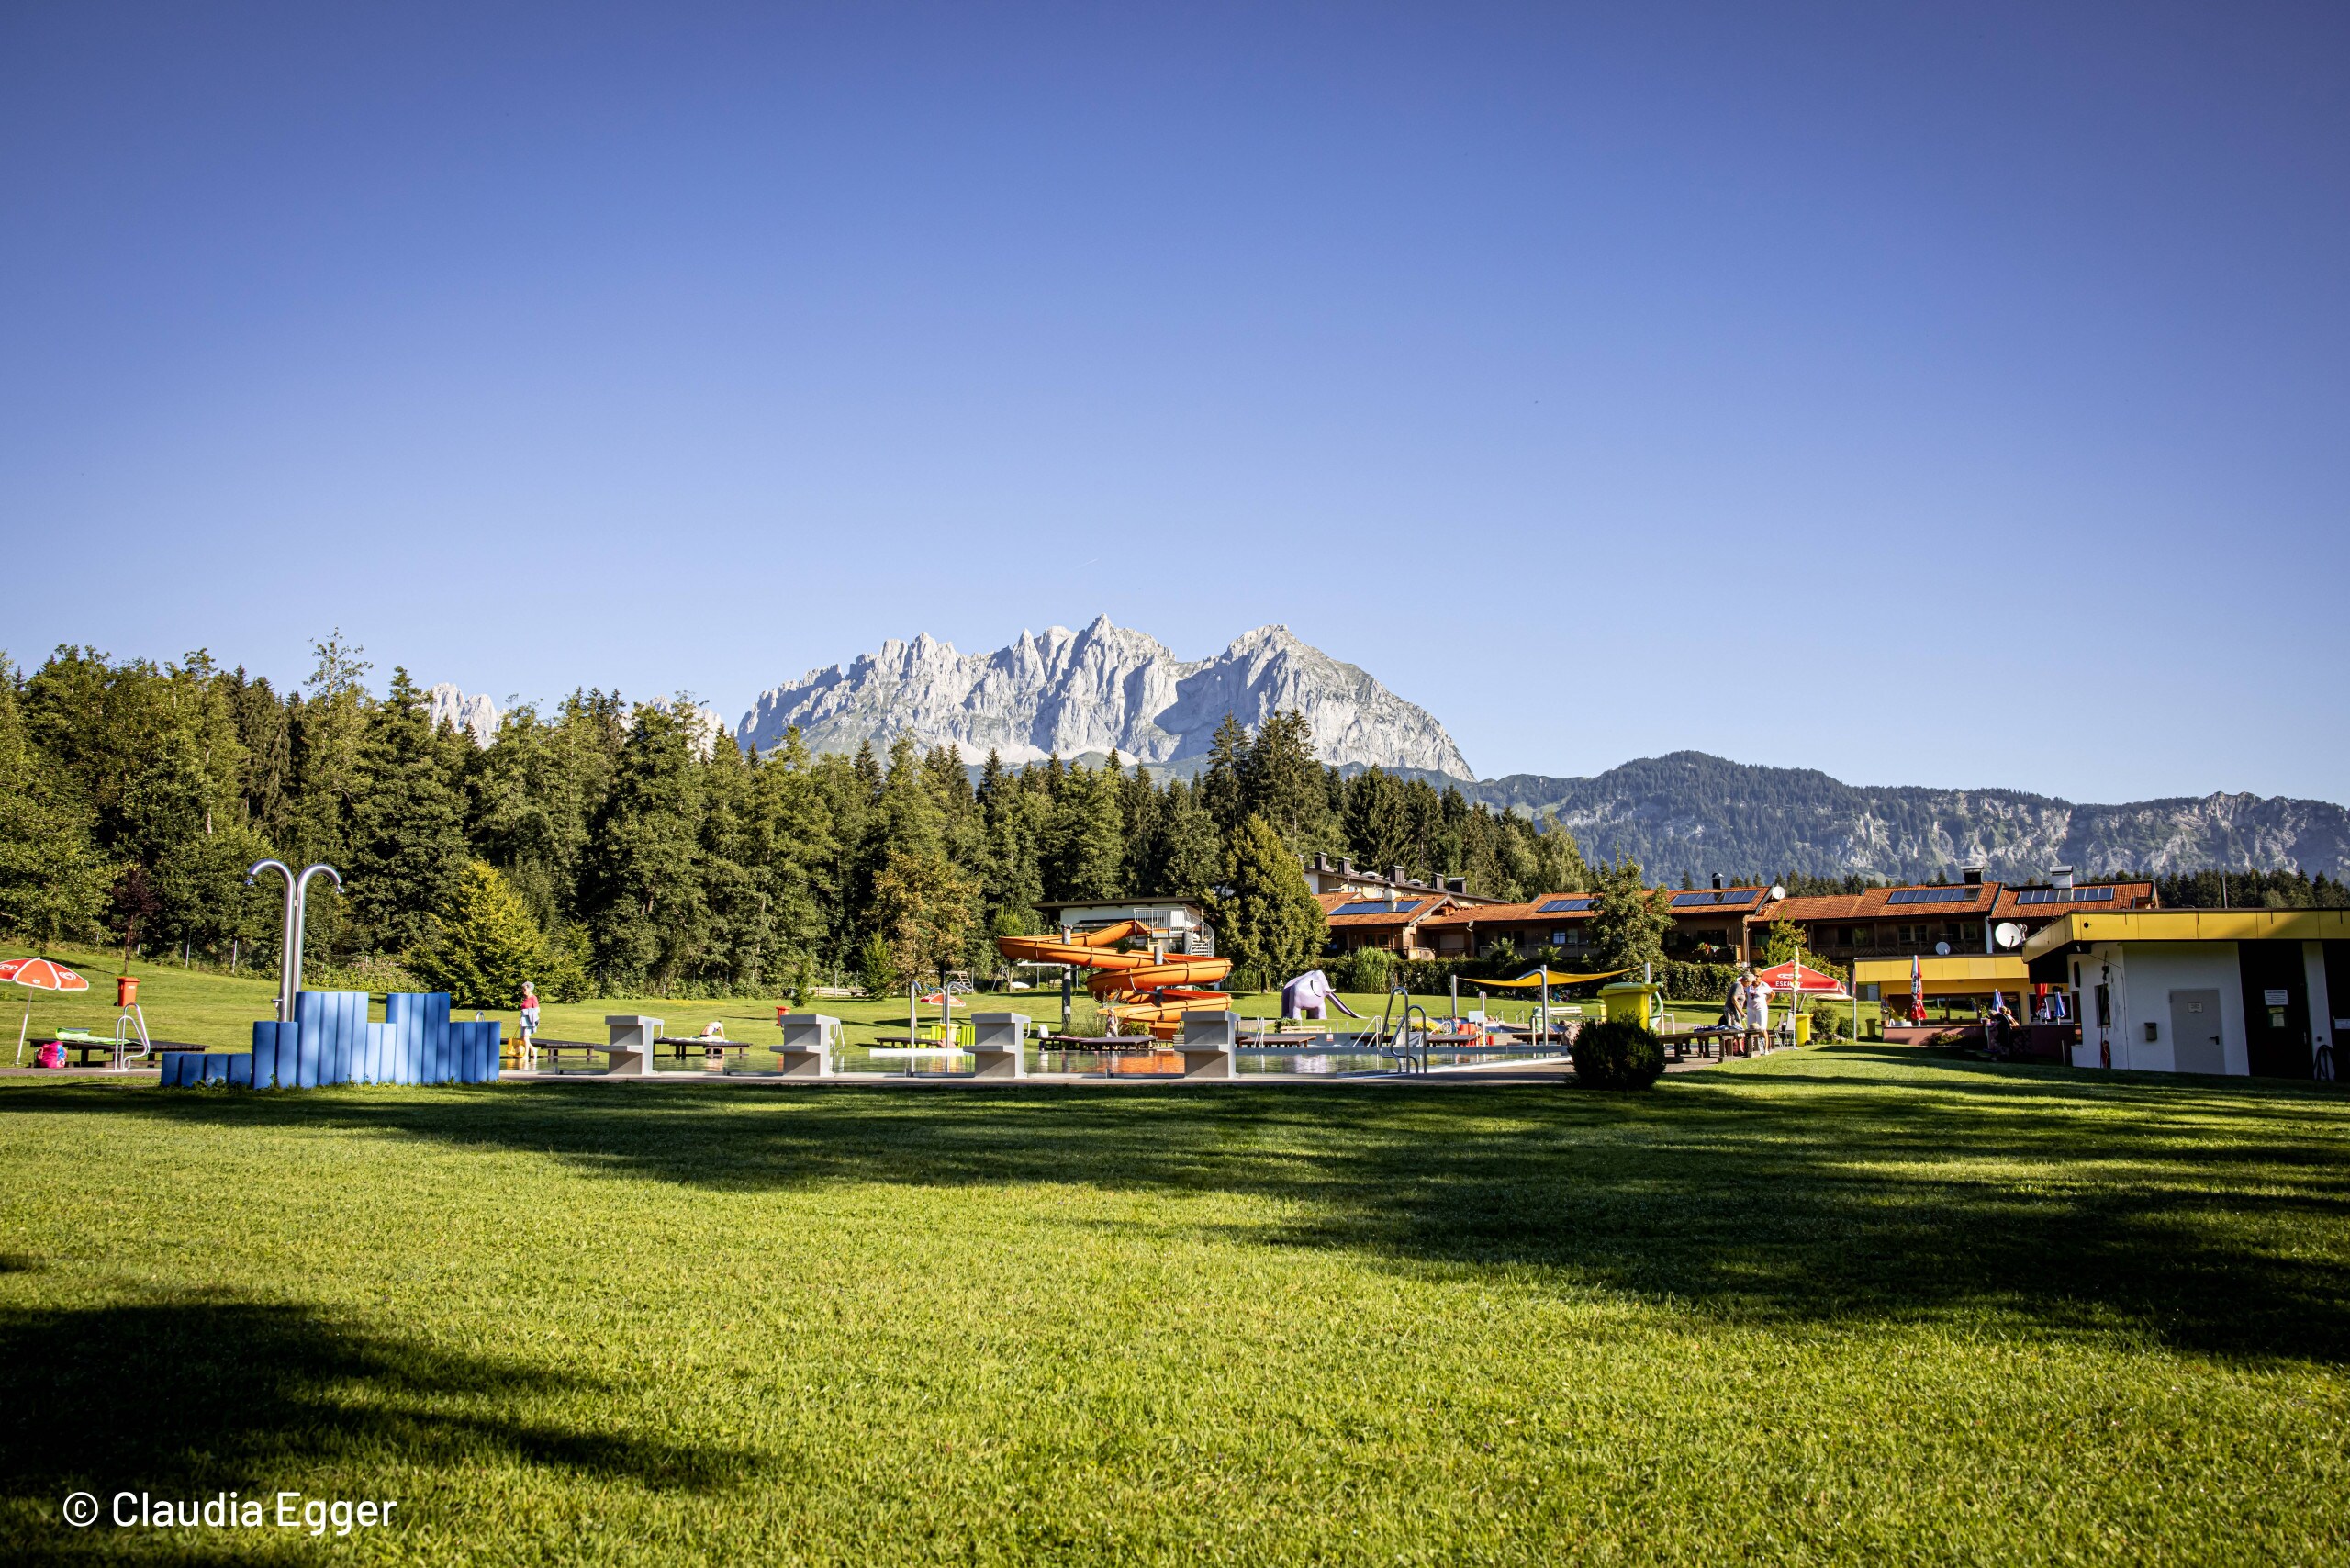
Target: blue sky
x=1926, y=393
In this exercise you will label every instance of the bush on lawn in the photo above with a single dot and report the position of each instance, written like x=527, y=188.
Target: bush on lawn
x=1616, y=1053
x=1365, y=970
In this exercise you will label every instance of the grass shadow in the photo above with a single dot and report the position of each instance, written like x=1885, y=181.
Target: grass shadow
x=186, y=1398
x=2217, y=1221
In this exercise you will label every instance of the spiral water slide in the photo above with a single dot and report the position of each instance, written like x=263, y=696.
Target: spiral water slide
x=1140, y=991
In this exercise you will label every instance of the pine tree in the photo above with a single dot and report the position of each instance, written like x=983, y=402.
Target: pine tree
x=1559, y=864
x=53, y=880
x=408, y=847
x=640, y=881
x=487, y=947
x=1084, y=843
x=1186, y=859
x=1224, y=785
x=1378, y=833
x=1286, y=785
x=1628, y=919
x=1267, y=920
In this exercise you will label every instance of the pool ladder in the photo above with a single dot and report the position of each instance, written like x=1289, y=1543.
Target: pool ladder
x=1397, y=1040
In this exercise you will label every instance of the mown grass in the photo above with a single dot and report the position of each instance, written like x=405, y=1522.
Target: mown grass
x=1854, y=1306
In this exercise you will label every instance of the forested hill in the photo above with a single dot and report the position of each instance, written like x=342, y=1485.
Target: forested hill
x=1691, y=813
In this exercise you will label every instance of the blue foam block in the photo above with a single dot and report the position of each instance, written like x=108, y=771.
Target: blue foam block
x=240, y=1069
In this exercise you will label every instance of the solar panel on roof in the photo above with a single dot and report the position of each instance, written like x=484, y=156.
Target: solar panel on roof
x=1374, y=906
x=1718, y=898
x=2057, y=895
x=1564, y=906
x=1932, y=895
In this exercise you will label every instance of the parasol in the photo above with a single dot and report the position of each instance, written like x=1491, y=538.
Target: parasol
x=38, y=974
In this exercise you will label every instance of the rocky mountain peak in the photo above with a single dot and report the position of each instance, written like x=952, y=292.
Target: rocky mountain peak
x=1105, y=687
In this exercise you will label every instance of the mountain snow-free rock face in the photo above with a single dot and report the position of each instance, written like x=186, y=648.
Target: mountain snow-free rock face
x=476, y=715
x=1688, y=815
x=1103, y=689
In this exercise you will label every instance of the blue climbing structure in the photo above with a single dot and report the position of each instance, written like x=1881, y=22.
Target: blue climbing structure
x=331, y=1040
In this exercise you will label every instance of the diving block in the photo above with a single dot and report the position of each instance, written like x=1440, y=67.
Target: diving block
x=997, y=1045
x=1207, y=1043
x=630, y=1052
x=807, y=1048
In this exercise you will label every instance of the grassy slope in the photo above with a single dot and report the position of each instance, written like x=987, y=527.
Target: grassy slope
x=1834, y=1305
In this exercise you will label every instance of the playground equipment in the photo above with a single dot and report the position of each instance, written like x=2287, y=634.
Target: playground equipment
x=298, y=903
x=329, y=1041
x=1311, y=995
x=129, y=1014
x=1149, y=992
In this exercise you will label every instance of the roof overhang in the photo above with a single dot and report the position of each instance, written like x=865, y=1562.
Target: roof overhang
x=2190, y=925
x=1966, y=974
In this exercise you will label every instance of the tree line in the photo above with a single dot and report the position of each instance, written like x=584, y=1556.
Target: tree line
x=616, y=847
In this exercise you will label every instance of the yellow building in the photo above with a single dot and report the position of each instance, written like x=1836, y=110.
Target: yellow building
x=2262, y=992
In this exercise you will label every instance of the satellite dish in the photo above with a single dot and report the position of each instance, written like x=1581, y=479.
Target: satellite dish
x=2007, y=934
x=1942, y=948
x=1777, y=891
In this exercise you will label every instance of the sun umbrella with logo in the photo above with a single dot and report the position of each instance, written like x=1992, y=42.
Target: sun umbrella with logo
x=38, y=974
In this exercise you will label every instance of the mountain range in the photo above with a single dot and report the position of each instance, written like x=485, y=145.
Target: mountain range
x=1083, y=694
x=1689, y=813
x=1100, y=690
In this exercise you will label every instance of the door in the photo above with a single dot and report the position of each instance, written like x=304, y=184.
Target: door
x=2195, y=1043
x=2276, y=1008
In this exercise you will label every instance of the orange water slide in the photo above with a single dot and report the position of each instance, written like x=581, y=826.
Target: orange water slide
x=1137, y=989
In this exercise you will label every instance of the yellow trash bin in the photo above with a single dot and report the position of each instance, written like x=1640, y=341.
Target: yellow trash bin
x=1803, y=1029
x=1640, y=1000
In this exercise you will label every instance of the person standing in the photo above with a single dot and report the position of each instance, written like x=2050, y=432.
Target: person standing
x=1758, y=1010
x=529, y=1027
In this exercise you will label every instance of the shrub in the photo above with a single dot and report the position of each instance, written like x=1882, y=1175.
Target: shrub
x=1367, y=969
x=1697, y=982
x=1616, y=1053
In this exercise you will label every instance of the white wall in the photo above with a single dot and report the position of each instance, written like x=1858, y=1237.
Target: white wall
x=2322, y=1008
x=2143, y=975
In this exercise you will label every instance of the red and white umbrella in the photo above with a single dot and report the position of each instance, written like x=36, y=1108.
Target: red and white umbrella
x=38, y=974
x=1798, y=980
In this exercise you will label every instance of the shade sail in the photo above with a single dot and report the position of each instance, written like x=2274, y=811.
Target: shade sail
x=1542, y=976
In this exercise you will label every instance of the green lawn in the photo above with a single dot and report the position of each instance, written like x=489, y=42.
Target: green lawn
x=1859, y=1306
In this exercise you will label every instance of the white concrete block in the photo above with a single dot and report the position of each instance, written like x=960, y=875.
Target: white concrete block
x=1207, y=1042
x=998, y=1044
x=808, y=1042
x=629, y=1052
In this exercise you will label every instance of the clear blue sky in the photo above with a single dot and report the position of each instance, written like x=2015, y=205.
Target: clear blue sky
x=1948, y=394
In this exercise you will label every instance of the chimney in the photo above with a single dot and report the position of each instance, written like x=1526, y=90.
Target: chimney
x=1456, y=884
x=1345, y=864
x=2060, y=875
x=1717, y=881
x=1395, y=875
x=1321, y=861
x=1972, y=873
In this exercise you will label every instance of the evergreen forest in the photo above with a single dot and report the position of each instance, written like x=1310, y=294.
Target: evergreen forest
x=617, y=847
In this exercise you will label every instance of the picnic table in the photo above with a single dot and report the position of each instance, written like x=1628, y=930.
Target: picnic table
x=1718, y=1034
x=84, y=1044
